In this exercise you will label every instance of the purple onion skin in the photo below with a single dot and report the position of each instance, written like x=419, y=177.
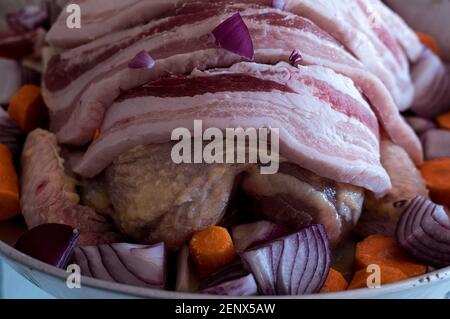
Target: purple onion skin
x=424, y=231
x=234, y=36
x=250, y=235
x=279, y=4
x=30, y=17
x=436, y=144
x=243, y=286
x=142, y=61
x=49, y=243
x=300, y=268
x=137, y=265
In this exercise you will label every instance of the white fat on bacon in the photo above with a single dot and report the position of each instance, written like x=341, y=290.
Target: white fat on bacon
x=314, y=133
x=77, y=108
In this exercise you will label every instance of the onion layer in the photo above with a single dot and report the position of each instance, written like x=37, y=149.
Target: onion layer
x=436, y=144
x=234, y=36
x=130, y=264
x=248, y=235
x=142, y=60
x=232, y=280
x=50, y=243
x=294, y=265
x=424, y=231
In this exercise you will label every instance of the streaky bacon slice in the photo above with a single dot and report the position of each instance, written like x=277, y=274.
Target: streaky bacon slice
x=325, y=124
x=82, y=83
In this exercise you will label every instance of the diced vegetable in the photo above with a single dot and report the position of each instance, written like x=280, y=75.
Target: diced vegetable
x=424, y=231
x=437, y=177
x=294, y=265
x=234, y=36
x=10, y=134
x=436, y=144
x=295, y=58
x=335, y=282
x=11, y=74
x=232, y=280
x=420, y=124
x=187, y=278
x=138, y=265
x=142, y=60
x=385, y=251
x=28, y=109
x=429, y=41
x=29, y=17
x=9, y=185
x=444, y=121
x=388, y=275
x=50, y=243
x=211, y=249
x=248, y=235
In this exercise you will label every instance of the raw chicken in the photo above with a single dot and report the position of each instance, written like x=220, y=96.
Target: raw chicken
x=156, y=200
x=380, y=216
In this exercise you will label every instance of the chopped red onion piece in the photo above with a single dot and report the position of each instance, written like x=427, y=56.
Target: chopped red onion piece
x=278, y=4
x=243, y=286
x=10, y=134
x=29, y=17
x=249, y=235
x=420, y=124
x=436, y=144
x=232, y=280
x=50, y=243
x=295, y=58
x=142, y=60
x=294, y=265
x=187, y=277
x=424, y=231
x=234, y=36
x=138, y=265
x=11, y=73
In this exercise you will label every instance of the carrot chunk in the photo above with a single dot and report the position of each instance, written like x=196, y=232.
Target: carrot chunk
x=335, y=282
x=444, y=121
x=211, y=249
x=436, y=174
x=387, y=275
x=429, y=41
x=27, y=108
x=9, y=186
x=385, y=251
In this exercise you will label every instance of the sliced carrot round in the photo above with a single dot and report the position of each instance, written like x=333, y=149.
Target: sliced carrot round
x=335, y=282
x=436, y=174
x=385, y=251
x=387, y=275
x=211, y=249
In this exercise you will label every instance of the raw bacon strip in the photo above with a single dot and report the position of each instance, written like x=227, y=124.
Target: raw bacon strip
x=359, y=28
x=95, y=81
x=100, y=17
x=317, y=131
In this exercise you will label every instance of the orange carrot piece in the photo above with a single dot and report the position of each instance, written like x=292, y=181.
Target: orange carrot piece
x=9, y=186
x=444, y=121
x=211, y=249
x=387, y=275
x=335, y=282
x=27, y=108
x=429, y=41
x=385, y=251
x=436, y=174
